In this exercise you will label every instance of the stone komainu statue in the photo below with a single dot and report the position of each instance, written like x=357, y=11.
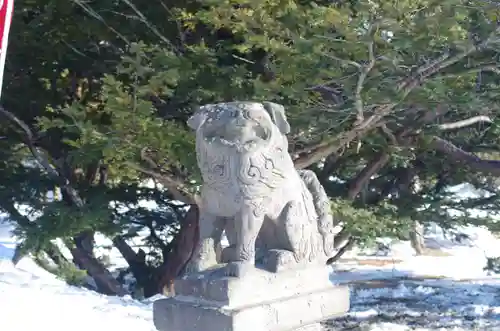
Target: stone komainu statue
x=271, y=213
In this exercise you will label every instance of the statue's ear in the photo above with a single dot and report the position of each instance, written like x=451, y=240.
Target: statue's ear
x=278, y=116
x=197, y=119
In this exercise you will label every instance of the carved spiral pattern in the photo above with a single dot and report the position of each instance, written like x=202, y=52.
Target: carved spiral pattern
x=253, y=173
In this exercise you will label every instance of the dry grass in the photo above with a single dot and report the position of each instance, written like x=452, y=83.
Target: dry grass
x=392, y=282
x=378, y=261
x=435, y=252
x=371, y=262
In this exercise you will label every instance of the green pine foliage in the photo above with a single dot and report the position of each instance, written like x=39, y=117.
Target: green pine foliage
x=106, y=87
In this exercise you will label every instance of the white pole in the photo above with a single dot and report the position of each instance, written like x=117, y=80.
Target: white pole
x=6, y=8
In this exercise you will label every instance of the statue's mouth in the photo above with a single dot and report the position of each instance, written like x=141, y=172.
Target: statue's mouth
x=245, y=135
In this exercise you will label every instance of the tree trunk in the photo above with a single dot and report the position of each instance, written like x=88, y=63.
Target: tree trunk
x=18, y=254
x=408, y=185
x=344, y=249
x=83, y=252
x=362, y=179
x=417, y=238
x=144, y=274
x=85, y=241
x=487, y=167
x=182, y=250
x=343, y=241
x=105, y=282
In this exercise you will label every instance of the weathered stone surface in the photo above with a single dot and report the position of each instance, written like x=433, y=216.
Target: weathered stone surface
x=258, y=286
x=277, y=302
x=274, y=217
x=251, y=190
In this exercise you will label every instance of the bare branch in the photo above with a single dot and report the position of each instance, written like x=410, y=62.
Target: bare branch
x=388, y=133
x=358, y=100
x=345, y=61
x=464, y=123
x=324, y=149
x=182, y=36
x=94, y=14
x=489, y=67
x=442, y=62
x=405, y=87
x=491, y=167
x=42, y=159
x=183, y=247
x=146, y=22
x=363, y=177
x=176, y=188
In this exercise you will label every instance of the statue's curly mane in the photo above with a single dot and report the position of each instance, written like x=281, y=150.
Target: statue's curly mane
x=252, y=171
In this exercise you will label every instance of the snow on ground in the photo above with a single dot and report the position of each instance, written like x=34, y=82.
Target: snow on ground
x=424, y=305
x=32, y=299
x=458, y=256
x=407, y=296
x=450, y=291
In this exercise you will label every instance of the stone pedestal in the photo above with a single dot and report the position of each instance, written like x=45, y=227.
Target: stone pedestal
x=262, y=301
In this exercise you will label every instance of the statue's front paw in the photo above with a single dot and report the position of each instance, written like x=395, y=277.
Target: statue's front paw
x=191, y=268
x=199, y=264
x=238, y=268
x=228, y=254
x=278, y=260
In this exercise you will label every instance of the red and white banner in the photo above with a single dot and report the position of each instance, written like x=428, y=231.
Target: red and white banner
x=6, y=7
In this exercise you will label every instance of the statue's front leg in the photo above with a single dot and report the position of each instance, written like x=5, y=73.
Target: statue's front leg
x=247, y=227
x=228, y=253
x=204, y=257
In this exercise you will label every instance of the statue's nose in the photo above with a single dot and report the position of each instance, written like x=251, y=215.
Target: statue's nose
x=238, y=120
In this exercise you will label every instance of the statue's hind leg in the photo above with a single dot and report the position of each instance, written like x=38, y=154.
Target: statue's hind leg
x=296, y=235
x=323, y=208
x=229, y=252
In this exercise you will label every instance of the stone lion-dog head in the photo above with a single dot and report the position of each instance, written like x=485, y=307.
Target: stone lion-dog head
x=242, y=144
x=240, y=126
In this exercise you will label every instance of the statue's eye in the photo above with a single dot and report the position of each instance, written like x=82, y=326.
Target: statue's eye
x=253, y=114
x=261, y=132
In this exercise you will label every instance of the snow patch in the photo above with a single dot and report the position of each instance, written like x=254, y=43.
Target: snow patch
x=405, y=298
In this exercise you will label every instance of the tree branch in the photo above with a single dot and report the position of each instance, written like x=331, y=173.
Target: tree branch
x=81, y=256
x=42, y=159
x=183, y=247
x=490, y=167
x=489, y=67
x=365, y=70
x=464, y=123
x=364, y=175
x=175, y=187
x=404, y=87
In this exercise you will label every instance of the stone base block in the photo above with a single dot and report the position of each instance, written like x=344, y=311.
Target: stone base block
x=312, y=327
x=263, y=301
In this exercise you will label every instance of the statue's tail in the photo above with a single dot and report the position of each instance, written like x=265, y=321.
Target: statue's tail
x=323, y=209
